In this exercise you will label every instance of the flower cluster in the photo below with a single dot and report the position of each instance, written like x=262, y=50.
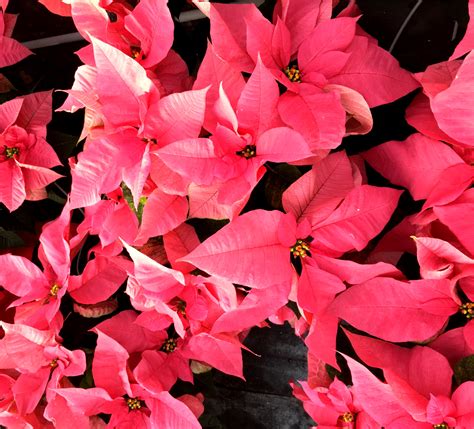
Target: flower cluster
x=162, y=147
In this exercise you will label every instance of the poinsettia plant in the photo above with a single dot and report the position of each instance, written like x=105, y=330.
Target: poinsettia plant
x=201, y=200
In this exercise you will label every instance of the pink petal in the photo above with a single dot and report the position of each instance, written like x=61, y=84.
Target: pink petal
x=37, y=177
x=11, y=51
x=262, y=260
x=258, y=305
x=194, y=159
x=321, y=339
x=212, y=71
x=152, y=275
x=375, y=397
x=36, y=113
x=121, y=82
x=88, y=401
x=257, y=104
x=463, y=398
x=162, y=213
x=12, y=185
x=123, y=329
x=301, y=17
x=437, y=257
x=179, y=243
x=221, y=352
x=19, y=276
x=374, y=73
x=467, y=42
x=228, y=32
x=358, y=116
x=93, y=174
x=109, y=366
x=407, y=397
x=454, y=116
x=416, y=163
x=317, y=115
x=9, y=112
x=420, y=116
x=463, y=229
x=99, y=281
x=354, y=273
x=29, y=388
x=377, y=305
x=359, y=218
x=451, y=184
x=317, y=193
x=57, y=7
x=331, y=35
x=152, y=24
x=170, y=413
x=176, y=117
x=317, y=288
x=273, y=145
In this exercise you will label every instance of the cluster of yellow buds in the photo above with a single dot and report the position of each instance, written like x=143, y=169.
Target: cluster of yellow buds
x=441, y=426
x=467, y=309
x=347, y=417
x=293, y=73
x=248, y=151
x=54, y=289
x=300, y=249
x=169, y=345
x=134, y=403
x=10, y=152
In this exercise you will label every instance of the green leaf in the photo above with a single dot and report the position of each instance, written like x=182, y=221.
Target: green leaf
x=56, y=198
x=464, y=370
x=9, y=239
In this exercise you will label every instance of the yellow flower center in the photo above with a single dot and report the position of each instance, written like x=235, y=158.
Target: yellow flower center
x=248, y=151
x=347, y=417
x=135, y=51
x=54, y=289
x=467, y=309
x=300, y=249
x=181, y=307
x=169, y=345
x=53, y=363
x=293, y=73
x=10, y=152
x=134, y=403
x=441, y=426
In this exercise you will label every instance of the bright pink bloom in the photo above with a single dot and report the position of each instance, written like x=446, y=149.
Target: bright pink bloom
x=11, y=51
x=25, y=156
x=41, y=362
x=40, y=292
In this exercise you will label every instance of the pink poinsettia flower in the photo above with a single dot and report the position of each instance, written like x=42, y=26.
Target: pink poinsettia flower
x=407, y=371
x=327, y=76
x=127, y=402
x=440, y=112
x=242, y=141
x=41, y=362
x=12, y=51
x=378, y=400
x=349, y=222
x=334, y=406
x=132, y=30
x=25, y=156
x=148, y=123
x=40, y=292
